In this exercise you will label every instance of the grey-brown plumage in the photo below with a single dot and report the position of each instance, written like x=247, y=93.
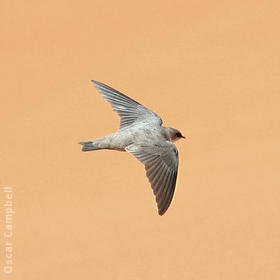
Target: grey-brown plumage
x=142, y=135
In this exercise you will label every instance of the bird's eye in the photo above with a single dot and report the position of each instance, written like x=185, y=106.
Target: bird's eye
x=178, y=134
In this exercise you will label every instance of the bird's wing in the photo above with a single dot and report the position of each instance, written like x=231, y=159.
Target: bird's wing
x=129, y=110
x=161, y=164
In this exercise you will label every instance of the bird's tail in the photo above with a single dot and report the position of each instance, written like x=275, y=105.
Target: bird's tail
x=89, y=146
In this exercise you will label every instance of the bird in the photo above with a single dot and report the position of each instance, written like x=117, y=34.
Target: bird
x=142, y=135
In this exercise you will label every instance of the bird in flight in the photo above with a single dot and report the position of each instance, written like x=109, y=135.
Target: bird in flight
x=142, y=135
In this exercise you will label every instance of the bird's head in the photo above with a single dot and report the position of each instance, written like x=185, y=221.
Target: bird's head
x=173, y=134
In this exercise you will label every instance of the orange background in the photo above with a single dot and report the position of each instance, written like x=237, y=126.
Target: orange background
x=210, y=69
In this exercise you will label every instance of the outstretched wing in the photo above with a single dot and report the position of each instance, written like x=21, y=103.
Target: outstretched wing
x=129, y=110
x=161, y=164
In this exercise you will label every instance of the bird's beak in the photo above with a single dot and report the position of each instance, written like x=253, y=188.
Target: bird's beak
x=183, y=137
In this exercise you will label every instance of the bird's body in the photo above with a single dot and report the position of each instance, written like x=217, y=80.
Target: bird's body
x=136, y=135
x=142, y=135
